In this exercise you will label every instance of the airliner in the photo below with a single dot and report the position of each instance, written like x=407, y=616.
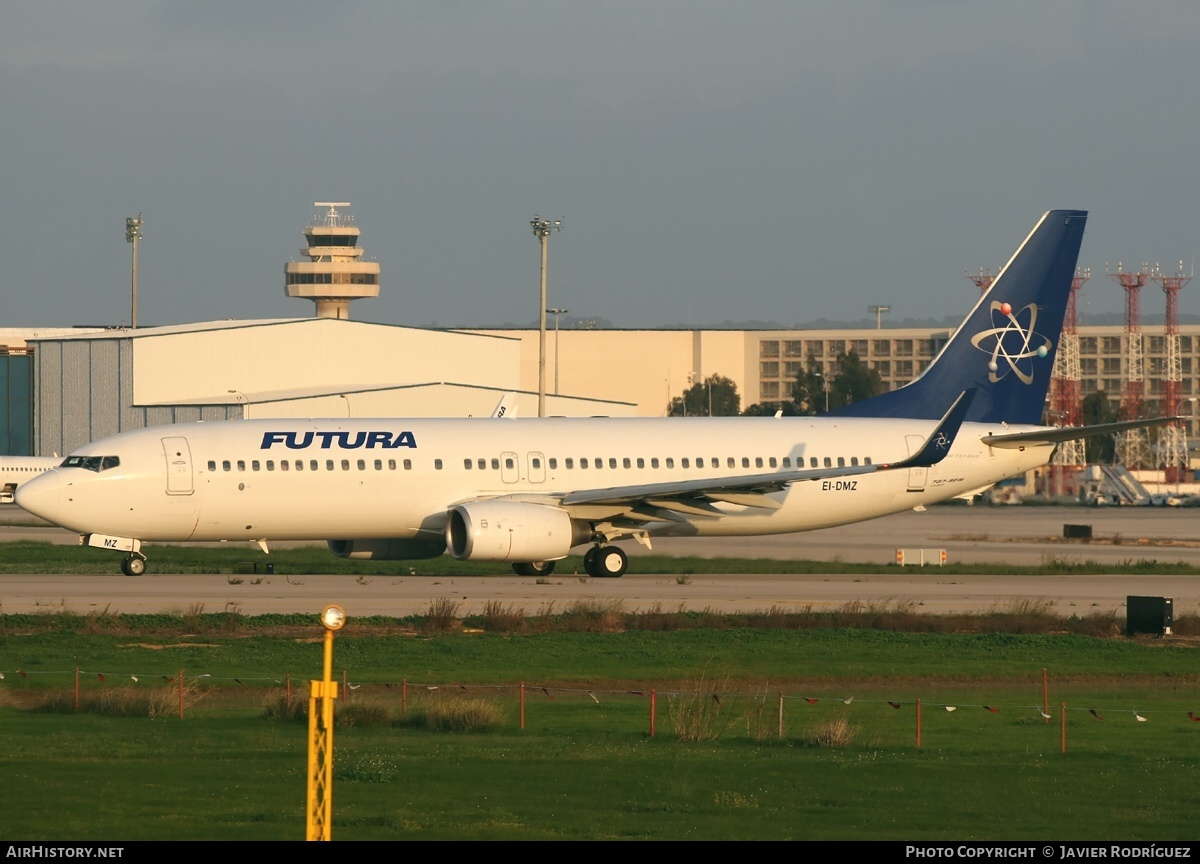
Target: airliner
x=15, y=470
x=528, y=491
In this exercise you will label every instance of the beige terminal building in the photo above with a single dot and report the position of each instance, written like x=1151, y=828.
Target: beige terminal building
x=66, y=386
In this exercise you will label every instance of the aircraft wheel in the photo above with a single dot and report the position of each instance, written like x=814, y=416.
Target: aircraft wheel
x=611, y=562
x=534, y=568
x=589, y=561
x=134, y=565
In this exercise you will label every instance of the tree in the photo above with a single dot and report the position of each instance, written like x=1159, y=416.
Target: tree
x=853, y=382
x=715, y=396
x=808, y=390
x=770, y=409
x=1098, y=408
x=850, y=381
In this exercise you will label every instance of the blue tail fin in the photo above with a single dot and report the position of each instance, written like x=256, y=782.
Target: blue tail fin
x=1005, y=348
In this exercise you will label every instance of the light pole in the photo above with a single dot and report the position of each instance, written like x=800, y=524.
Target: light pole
x=133, y=233
x=556, y=313
x=878, y=311
x=542, y=229
x=825, y=382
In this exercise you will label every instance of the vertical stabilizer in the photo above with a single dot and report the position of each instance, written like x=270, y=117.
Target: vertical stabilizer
x=1005, y=348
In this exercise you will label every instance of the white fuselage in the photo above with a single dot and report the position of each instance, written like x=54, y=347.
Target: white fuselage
x=387, y=478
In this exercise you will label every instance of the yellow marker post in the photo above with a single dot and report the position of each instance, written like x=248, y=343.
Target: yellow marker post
x=320, y=735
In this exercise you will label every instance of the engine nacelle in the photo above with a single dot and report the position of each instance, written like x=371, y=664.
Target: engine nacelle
x=509, y=531
x=385, y=549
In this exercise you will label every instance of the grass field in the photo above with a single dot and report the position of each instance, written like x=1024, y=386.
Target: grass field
x=585, y=766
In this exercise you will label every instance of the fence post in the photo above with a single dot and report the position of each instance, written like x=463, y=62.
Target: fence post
x=1045, y=696
x=522, y=706
x=404, y=698
x=780, y=715
x=1063, y=725
x=653, y=709
x=76, y=689
x=180, y=679
x=918, y=723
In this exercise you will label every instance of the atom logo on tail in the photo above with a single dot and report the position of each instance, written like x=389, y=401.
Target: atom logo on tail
x=1017, y=344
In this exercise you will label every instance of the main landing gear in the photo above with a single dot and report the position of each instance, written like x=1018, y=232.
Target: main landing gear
x=605, y=562
x=133, y=565
x=534, y=568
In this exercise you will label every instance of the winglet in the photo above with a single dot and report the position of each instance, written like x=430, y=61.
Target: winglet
x=939, y=442
x=506, y=407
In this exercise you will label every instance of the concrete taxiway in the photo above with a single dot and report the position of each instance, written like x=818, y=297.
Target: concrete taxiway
x=1013, y=535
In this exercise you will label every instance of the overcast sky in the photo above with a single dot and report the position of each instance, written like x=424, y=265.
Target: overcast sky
x=711, y=161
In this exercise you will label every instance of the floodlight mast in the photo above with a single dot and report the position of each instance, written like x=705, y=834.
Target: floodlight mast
x=133, y=233
x=542, y=228
x=878, y=311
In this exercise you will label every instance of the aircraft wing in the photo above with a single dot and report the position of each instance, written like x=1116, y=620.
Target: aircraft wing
x=693, y=496
x=1055, y=434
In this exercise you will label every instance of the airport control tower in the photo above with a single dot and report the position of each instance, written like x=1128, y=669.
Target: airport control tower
x=335, y=273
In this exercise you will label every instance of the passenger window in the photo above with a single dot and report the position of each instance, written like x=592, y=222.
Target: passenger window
x=391, y=464
x=299, y=464
x=212, y=465
x=653, y=461
x=853, y=460
x=745, y=462
x=467, y=464
x=772, y=462
x=553, y=463
x=612, y=462
x=362, y=464
x=787, y=461
x=866, y=460
x=570, y=463
x=670, y=462
x=437, y=464
x=730, y=462
x=599, y=462
x=328, y=464
x=378, y=464
x=284, y=465
x=536, y=462
x=841, y=461
x=812, y=461
x=758, y=462
x=254, y=466
x=508, y=463
x=270, y=464
x=641, y=463
x=828, y=462
x=625, y=462
x=583, y=463
x=407, y=464
x=716, y=463
x=312, y=464
x=241, y=464
x=481, y=464
x=685, y=462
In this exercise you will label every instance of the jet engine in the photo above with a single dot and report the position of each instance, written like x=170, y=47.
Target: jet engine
x=385, y=549
x=510, y=531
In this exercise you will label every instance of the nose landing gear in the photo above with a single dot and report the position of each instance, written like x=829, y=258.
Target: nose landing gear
x=133, y=565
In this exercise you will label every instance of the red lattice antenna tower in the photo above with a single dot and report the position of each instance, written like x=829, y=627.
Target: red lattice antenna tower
x=983, y=280
x=1173, y=438
x=1066, y=389
x=1133, y=447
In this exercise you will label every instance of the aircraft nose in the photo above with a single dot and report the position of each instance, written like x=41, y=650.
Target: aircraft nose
x=41, y=495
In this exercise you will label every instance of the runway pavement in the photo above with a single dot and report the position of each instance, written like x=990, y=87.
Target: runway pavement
x=1016, y=535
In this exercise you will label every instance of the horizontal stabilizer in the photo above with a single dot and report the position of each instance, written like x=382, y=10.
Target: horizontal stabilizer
x=1070, y=433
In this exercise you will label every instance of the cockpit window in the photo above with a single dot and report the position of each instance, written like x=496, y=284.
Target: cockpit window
x=91, y=463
